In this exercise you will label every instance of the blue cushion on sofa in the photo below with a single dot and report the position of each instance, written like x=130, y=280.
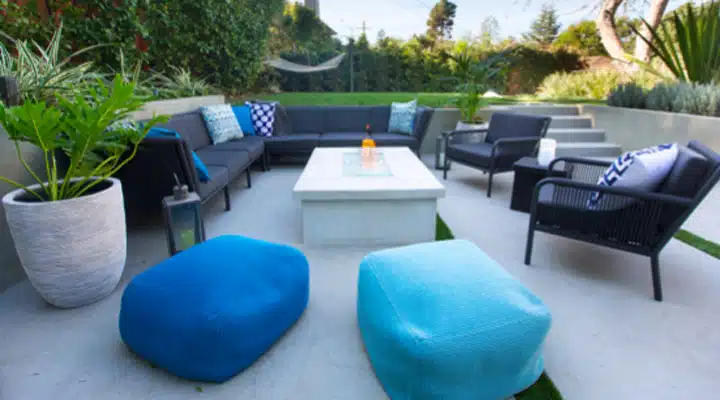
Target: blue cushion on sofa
x=200, y=167
x=209, y=312
x=444, y=321
x=242, y=113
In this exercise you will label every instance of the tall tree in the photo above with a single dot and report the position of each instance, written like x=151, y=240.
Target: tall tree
x=608, y=28
x=489, y=31
x=544, y=30
x=442, y=20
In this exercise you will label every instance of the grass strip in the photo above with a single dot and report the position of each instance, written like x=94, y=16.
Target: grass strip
x=698, y=242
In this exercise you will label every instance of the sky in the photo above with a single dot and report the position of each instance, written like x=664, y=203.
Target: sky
x=403, y=18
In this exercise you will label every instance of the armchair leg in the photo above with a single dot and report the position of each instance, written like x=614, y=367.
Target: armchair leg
x=228, y=206
x=529, y=243
x=249, y=182
x=657, y=284
x=446, y=165
x=490, y=181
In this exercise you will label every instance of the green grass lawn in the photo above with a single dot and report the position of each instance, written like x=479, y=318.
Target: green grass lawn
x=435, y=100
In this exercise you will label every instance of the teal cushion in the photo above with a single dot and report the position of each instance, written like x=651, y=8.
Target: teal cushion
x=443, y=320
x=200, y=166
x=402, y=117
x=242, y=114
x=221, y=123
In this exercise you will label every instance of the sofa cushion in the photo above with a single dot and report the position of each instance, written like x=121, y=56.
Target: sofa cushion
x=253, y=145
x=346, y=119
x=200, y=166
x=687, y=175
x=306, y=119
x=210, y=311
x=402, y=117
x=191, y=127
x=220, y=179
x=263, y=117
x=342, y=139
x=299, y=142
x=395, y=139
x=221, y=123
x=282, y=126
x=478, y=334
x=242, y=114
x=379, y=118
x=235, y=161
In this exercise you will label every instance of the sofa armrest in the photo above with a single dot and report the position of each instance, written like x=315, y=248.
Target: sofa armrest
x=422, y=122
x=148, y=177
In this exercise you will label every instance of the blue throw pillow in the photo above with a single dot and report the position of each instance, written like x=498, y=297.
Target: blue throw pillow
x=200, y=166
x=242, y=113
x=402, y=117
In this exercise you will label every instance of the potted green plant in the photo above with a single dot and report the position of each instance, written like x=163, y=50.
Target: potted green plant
x=474, y=78
x=69, y=227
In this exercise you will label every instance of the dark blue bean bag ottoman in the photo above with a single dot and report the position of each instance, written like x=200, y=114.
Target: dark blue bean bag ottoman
x=209, y=312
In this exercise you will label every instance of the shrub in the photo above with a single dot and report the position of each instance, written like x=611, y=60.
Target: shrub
x=630, y=95
x=591, y=84
x=224, y=41
x=530, y=66
x=661, y=97
x=681, y=97
x=586, y=84
x=697, y=99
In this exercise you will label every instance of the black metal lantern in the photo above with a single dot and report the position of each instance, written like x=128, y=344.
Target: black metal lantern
x=183, y=220
x=440, y=153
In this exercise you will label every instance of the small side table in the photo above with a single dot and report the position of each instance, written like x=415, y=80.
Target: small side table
x=527, y=174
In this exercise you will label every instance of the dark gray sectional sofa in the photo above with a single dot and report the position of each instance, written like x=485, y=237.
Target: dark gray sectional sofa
x=298, y=130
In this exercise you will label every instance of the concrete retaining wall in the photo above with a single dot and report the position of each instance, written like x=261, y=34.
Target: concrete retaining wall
x=176, y=106
x=443, y=119
x=636, y=129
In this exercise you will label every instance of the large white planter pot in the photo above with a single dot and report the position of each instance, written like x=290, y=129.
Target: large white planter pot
x=73, y=251
x=467, y=126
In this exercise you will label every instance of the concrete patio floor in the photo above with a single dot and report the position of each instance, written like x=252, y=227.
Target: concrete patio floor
x=609, y=339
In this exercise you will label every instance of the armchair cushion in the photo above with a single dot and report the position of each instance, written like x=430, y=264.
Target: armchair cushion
x=687, y=174
x=644, y=169
x=508, y=125
x=480, y=155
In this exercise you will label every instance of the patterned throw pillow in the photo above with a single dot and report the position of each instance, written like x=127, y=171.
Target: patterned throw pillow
x=263, y=117
x=643, y=169
x=402, y=117
x=221, y=123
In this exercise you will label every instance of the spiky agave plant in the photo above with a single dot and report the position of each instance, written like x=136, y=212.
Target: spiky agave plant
x=687, y=43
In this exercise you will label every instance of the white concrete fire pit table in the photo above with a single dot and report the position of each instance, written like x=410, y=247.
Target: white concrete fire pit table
x=347, y=199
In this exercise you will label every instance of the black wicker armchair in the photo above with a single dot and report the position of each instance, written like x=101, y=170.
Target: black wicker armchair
x=508, y=138
x=628, y=219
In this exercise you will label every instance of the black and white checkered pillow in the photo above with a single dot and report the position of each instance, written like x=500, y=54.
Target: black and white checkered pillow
x=263, y=117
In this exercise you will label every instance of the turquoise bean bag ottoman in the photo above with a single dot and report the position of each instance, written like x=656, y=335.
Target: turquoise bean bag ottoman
x=211, y=311
x=443, y=320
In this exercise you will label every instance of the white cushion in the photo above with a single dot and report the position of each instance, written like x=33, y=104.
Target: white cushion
x=643, y=169
x=221, y=123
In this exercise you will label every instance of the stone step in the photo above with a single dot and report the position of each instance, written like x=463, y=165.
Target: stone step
x=576, y=135
x=570, y=121
x=546, y=109
x=588, y=149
